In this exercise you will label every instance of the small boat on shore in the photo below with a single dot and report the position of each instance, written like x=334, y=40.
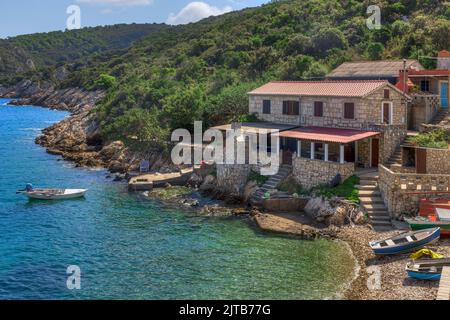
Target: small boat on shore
x=430, y=269
x=406, y=242
x=440, y=218
x=52, y=194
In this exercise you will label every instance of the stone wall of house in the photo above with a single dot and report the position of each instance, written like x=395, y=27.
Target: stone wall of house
x=438, y=161
x=399, y=190
x=311, y=173
x=364, y=153
x=368, y=110
x=232, y=178
x=390, y=139
x=423, y=110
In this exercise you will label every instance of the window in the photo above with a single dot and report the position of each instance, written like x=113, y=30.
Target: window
x=291, y=108
x=349, y=110
x=425, y=85
x=318, y=109
x=386, y=113
x=387, y=93
x=266, y=106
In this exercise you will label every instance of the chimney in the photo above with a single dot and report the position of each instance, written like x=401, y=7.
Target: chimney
x=403, y=81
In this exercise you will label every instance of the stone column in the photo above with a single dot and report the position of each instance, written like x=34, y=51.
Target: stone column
x=313, y=149
x=326, y=151
x=342, y=153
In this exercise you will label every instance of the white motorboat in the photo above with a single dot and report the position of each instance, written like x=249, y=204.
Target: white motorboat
x=52, y=194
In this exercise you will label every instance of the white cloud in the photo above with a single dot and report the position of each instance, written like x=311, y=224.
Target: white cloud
x=119, y=3
x=196, y=11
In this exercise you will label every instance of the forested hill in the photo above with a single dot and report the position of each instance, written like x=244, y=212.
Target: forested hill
x=203, y=70
x=43, y=51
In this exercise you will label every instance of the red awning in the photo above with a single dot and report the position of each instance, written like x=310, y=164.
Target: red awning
x=332, y=135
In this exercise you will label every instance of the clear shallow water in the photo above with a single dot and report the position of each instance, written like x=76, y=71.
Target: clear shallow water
x=130, y=248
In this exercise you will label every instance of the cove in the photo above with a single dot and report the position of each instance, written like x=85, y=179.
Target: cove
x=128, y=247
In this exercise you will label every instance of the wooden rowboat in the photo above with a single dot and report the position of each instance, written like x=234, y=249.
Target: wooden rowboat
x=54, y=194
x=430, y=269
x=406, y=242
x=439, y=219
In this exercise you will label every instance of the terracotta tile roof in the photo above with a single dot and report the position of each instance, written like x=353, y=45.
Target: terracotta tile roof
x=373, y=69
x=435, y=72
x=359, y=88
x=331, y=135
x=444, y=54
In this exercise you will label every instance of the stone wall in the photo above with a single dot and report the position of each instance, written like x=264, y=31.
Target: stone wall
x=400, y=190
x=438, y=161
x=368, y=110
x=364, y=153
x=390, y=139
x=232, y=178
x=423, y=110
x=311, y=173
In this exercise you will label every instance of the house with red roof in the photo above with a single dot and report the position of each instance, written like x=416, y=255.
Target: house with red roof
x=329, y=128
x=341, y=125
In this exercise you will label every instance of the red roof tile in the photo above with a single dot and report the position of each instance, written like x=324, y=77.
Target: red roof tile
x=331, y=135
x=444, y=54
x=359, y=88
x=434, y=72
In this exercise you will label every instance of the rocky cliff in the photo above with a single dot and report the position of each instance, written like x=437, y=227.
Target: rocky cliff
x=78, y=138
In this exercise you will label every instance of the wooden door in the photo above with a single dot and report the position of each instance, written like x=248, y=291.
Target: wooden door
x=375, y=152
x=421, y=161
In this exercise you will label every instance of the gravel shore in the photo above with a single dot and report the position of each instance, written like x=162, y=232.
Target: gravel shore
x=379, y=278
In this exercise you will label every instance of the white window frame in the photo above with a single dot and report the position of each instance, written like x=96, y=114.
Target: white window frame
x=391, y=112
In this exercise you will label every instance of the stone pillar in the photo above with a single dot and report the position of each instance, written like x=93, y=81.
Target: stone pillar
x=299, y=148
x=342, y=153
x=326, y=151
x=313, y=149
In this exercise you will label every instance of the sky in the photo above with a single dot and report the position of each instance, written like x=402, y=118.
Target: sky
x=31, y=16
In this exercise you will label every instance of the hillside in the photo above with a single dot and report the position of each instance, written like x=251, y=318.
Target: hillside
x=203, y=70
x=25, y=55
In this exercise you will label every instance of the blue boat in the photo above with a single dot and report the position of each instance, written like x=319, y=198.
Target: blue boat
x=406, y=242
x=430, y=269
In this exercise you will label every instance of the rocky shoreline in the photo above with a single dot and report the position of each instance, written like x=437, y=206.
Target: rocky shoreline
x=78, y=137
x=394, y=283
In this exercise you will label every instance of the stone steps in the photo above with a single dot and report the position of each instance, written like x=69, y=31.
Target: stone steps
x=271, y=184
x=373, y=204
x=371, y=200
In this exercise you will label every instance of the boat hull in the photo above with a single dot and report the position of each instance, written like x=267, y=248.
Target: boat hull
x=68, y=194
x=409, y=246
x=424, y=276
x=422, y=225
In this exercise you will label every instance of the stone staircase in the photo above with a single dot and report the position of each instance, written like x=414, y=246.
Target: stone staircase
x=396, y=159
x=442, y=116
x=373, y=204
x=271, y=184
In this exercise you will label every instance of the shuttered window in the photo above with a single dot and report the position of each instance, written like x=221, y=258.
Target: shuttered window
x=386, y=113
x=387, y=93
x=291, y=108
x=267, y=106
x=349, y=110
x=318, y=109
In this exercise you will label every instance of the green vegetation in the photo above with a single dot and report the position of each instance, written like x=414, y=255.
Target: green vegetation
x=346, y=190
x=290, y=185
x=258, y=178
x=439, y=139
x=40, y=55
x=202, y=71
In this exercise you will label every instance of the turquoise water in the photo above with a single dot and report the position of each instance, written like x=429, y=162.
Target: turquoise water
x=131, y=248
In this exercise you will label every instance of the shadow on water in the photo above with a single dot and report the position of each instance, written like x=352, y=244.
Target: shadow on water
x=40, y=202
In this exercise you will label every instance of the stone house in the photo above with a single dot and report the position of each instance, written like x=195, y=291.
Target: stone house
x=341, y=125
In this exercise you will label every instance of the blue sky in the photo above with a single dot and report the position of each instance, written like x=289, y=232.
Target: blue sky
x=30, y=16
